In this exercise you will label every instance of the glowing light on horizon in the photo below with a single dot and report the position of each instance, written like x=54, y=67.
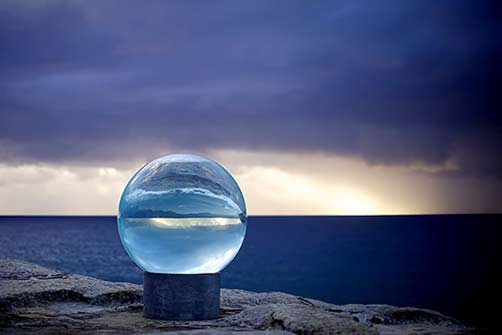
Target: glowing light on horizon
x=274, y=184
x=190, y=222
x=307, y=193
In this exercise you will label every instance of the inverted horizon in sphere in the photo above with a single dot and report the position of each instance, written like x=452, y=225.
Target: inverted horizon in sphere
x=182, y=214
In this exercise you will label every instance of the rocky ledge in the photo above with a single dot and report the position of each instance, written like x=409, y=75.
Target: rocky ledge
x=37, y=300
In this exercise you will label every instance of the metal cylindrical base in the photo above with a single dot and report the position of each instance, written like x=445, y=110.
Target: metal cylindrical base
x=181, y=296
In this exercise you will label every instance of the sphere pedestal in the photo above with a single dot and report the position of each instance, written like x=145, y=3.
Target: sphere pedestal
x=181, y=296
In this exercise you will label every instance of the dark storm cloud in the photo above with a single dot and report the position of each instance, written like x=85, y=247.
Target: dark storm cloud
x=393, y=83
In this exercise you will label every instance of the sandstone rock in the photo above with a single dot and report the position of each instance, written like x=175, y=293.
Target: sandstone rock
x=37, y=300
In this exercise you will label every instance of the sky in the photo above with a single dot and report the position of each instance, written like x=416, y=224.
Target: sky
x=327, y=107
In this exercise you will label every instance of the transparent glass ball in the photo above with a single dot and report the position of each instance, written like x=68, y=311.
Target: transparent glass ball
x=182, y=214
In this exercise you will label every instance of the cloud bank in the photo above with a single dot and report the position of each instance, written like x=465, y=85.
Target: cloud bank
x=335, y=107
x=394, y=84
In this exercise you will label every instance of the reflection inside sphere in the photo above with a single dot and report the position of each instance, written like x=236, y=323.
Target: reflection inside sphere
x=182, y=214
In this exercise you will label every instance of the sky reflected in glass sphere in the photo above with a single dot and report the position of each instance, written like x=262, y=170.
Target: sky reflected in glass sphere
x=182, y=214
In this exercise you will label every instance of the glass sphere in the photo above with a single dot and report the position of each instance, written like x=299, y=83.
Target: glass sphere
x=182, y=214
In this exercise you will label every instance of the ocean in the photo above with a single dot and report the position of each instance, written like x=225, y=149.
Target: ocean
x=450, y=263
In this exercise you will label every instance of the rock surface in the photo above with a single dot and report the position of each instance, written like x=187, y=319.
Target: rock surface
x=37, y=300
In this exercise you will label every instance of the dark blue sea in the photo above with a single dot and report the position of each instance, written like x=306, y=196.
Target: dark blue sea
x=450, y=263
